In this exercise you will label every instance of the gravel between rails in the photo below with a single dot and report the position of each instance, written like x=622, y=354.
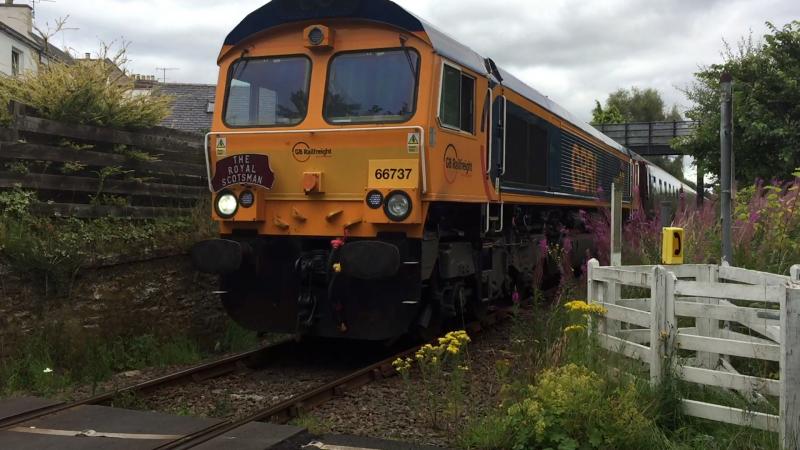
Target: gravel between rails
x=305, y=366
x=236, y=396
x=381, y=409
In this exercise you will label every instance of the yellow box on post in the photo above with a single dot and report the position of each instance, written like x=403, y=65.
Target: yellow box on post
x=672, y=246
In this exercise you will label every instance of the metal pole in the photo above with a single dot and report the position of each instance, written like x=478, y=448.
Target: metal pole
x=726, y=138
x=616, y=225
x=701, y=188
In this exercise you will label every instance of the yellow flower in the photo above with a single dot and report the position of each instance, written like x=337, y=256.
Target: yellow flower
x=575, y=328
x=583, y=307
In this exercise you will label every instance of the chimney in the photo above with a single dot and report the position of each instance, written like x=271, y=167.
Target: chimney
x=144, y=82
x=18, y=17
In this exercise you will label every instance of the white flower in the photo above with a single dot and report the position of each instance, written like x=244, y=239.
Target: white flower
x=48, y=370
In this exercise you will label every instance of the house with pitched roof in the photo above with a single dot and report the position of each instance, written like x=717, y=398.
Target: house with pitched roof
x=21, y=48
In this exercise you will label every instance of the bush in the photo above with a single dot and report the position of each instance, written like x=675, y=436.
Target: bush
x=571, y=407
x=53, y=250
x=90, y=92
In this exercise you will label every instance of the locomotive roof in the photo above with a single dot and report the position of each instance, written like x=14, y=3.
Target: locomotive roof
x=281, y=12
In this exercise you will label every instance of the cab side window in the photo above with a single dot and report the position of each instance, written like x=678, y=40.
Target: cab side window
x=457, y=108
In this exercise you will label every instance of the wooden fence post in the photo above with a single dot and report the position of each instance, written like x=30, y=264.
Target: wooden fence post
x=657, y=319
x=662, y=324
x=708, y=327
x=790, y=364
x=597, y=292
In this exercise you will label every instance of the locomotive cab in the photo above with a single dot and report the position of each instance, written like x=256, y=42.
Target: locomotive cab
x=317, y=178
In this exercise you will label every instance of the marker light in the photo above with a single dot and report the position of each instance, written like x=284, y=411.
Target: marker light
x=398, y=206
x=375, y=199
x=247, y=199
x=226, y=204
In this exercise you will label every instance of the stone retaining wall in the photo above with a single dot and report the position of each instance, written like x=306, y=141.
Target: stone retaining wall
x=166, y=297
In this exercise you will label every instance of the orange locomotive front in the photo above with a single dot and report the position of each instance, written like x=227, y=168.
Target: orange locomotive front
x=357, y=162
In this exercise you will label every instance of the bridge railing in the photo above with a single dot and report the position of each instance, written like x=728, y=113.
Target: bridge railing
x=655, y=136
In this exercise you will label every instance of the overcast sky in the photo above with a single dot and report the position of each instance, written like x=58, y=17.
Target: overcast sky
x=574, y=51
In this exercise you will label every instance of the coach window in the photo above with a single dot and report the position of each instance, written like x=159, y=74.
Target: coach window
x=457, y=106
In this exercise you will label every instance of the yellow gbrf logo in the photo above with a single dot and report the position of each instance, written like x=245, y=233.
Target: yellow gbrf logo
x=584, y=170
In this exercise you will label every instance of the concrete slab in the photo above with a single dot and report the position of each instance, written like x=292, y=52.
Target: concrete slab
x=102, y=428
x=344, y=442
x=253, y=436
x=14, y=406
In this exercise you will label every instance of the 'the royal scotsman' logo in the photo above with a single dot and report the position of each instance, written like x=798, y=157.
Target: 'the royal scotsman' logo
x=301, y=152
x=243, y=169
x=453, y=165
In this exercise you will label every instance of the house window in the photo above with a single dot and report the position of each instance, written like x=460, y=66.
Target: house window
x=16, y=62
x=457, y=106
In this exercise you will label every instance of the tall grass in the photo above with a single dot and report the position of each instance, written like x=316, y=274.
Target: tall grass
x=765, y=225
x=62, y=355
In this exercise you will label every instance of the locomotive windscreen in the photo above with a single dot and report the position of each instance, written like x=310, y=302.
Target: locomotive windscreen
x=268, y=91
x=374, y=86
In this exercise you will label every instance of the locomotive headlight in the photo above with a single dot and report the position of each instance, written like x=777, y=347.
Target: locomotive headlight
x=226, y=204
x=397, y=206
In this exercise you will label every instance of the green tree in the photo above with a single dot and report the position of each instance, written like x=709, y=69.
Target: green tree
x=766, y=107
x=634, y=105
x=638, y=105
x=602, y=116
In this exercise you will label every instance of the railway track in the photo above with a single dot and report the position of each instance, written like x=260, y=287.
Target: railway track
x=281, y=412
x=291, y=408
x=206, y=371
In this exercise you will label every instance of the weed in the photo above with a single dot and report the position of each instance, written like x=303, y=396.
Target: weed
x=313, y=424
x=18, y=167
x=128, y=400
x=75, y=145
x=236, y=339
x=71, y=167
x=222, y=406
x=439, y=396
x=63, y=355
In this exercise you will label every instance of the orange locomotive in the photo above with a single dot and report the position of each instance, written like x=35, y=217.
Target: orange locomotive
x=373, y=177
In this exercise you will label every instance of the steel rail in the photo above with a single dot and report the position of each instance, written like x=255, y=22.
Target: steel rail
x=213, y=369
x=306, y=401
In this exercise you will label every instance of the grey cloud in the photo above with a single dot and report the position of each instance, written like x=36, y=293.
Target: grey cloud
x=573, y=50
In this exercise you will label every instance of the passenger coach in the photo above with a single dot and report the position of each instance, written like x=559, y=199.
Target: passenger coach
x=372, y=176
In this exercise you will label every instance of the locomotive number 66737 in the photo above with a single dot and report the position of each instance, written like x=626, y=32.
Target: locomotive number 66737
x=374, y=177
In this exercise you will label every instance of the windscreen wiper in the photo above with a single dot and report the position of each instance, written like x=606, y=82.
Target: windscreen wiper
x=240, y=70
x=407, y=51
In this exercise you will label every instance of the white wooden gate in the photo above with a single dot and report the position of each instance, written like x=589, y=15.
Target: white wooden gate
x=646, y=329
